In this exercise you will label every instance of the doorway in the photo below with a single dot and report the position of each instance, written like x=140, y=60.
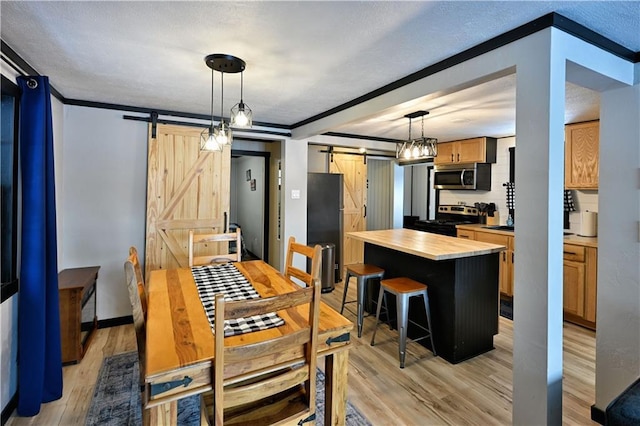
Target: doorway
x=249, y=207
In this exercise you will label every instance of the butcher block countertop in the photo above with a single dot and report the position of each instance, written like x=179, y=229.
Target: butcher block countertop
x=568, y=239
x=425, y=244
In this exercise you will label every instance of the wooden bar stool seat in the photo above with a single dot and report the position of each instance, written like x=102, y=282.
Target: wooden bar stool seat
x=363, y=273
x=404, y=288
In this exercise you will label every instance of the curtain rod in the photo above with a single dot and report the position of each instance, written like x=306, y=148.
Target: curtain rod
x=364, y=154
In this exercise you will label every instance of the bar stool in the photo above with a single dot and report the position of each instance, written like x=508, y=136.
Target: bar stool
x=404, y=289
x=363, y=272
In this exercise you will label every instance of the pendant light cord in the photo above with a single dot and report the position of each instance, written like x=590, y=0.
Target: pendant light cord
x=212, y=98
x=222, y=97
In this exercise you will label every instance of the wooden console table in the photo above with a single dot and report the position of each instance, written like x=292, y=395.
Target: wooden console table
x=78, y=320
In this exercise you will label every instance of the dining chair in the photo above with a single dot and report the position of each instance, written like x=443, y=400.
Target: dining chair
x=314, y=254
x=222, y=249
x=265, y=382
x=138, y=299
x=134, y=258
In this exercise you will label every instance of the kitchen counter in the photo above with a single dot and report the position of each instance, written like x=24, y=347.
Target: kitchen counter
x=462, y=279
x=569, y=239
x=425, y=244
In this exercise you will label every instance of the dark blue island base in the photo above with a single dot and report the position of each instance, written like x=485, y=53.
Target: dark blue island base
x=463, y=299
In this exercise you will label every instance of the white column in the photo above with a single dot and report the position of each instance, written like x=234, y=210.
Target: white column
x=294, y=184
x=618, y=317
x=537, y=341
x=399, y=197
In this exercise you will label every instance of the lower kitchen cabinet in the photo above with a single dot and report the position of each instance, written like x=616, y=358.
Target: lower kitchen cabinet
x=579, y=273
x=579, y=284
x=573, y=287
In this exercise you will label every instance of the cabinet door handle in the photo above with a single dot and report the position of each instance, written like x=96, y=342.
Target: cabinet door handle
x=570, y=252
x=458, y=157
x=504, y=256
x=452, y=157
x=463, y=236
x=513, y=257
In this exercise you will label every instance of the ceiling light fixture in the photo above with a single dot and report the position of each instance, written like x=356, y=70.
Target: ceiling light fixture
x=215, y=138
x=241, y=114
x=420, y=149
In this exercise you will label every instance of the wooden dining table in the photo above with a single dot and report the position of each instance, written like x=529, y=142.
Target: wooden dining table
x=180, y=342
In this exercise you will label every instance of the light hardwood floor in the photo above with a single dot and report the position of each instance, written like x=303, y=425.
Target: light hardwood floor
x=428, y=391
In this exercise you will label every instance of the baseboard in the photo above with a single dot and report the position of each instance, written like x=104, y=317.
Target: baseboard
x=9, y=408
x=597, y=415
x=114, y=322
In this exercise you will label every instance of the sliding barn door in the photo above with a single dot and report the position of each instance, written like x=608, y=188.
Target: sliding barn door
x=186, y=189
x=354, y=171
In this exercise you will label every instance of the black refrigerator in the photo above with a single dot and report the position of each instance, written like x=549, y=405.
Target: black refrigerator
x=325, y=214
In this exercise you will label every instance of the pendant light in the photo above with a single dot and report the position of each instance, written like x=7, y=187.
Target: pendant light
x=417, y=150
x=208, y=140
x=215, y=138
x=222, y=132
x=241, y=114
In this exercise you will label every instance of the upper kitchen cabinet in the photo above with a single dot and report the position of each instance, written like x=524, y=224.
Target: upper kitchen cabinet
x=581, y=158
x=476, y=150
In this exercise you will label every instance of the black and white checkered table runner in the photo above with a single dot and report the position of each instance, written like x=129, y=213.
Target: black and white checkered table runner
x=225, y=278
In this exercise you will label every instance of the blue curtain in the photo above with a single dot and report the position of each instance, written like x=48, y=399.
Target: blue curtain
x=39, y=351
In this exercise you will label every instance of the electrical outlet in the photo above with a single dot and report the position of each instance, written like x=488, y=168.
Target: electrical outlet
x=295, y=194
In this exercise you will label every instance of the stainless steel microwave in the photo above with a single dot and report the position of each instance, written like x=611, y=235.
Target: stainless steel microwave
x=471, y=176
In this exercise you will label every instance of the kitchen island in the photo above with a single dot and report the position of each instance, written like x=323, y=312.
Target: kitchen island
x=462, y=277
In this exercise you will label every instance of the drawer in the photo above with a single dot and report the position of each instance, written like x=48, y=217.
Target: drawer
x=573, y=252
x=465, y=233
x=488, y=237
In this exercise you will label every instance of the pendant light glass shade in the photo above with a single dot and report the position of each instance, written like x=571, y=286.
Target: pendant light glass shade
x=208, y=141
x=241, y=114
x=223, y=134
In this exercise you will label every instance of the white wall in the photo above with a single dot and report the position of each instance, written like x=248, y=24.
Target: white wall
x=618, y=326
x=294, y=181
x=318, y=162
x=583, y=201
x=104, y=199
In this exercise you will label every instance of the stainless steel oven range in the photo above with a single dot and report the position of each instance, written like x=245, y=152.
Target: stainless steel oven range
x=446, y=219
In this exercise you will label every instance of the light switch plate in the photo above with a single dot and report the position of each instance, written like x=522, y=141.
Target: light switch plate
x=295, y=194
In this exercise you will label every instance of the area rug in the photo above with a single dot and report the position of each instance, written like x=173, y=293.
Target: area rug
x=116, y=398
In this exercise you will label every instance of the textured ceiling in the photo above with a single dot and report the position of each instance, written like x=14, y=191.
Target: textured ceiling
x=303, y=58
